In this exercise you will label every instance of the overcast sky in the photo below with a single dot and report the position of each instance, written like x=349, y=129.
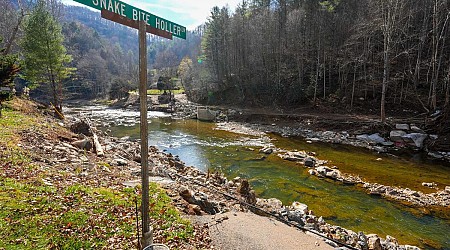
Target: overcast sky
x=189, y=13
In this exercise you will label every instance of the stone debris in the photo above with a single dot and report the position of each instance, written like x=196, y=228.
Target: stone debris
x=198, y=193
x=416, y=198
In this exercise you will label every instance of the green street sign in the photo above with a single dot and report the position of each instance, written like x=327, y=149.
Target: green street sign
x=136, y=14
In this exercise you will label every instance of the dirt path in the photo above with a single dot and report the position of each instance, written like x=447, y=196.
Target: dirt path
x=250, y=231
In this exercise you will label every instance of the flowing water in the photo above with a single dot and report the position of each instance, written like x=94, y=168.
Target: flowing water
x=202, y=145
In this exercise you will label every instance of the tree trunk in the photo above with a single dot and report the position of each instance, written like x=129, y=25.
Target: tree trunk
x=353, y=87
x=15, y=30
x=385, y=76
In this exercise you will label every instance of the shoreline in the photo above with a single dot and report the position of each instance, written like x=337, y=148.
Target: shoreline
x=198, y=200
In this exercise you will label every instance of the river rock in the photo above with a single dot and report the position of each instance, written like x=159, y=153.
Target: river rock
x=428, y=184
x=376, y=138
x=408, y=247
x=85, y=144
x=415, y=138
x=374, y=242
x=300, y=207
x=293, y=156
x=322, y=170
x=364, y=137
x=266, y=151
x=297, y=216
x=417, y=129
x=334, y=174
x=245, y=190
x=447, y=189
x=362, y=241
x=328, y=172
x=402, y=126
x=309, y=162
x=271, y=205
x=396, y=135
x=81, y=127
x=390, y=243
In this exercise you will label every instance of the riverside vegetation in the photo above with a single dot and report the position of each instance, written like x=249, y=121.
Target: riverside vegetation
x=53, y=195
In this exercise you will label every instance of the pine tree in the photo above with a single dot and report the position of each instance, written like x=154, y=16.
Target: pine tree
x=44, y=54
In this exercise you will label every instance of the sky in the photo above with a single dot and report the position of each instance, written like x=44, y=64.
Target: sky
x=188, y=13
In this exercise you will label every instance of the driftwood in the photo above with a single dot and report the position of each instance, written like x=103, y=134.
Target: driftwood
x=97, y=145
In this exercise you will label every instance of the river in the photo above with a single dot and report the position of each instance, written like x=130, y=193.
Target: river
x=202, y=145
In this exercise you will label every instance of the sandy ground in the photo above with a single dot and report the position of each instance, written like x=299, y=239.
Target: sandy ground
x=239, y=230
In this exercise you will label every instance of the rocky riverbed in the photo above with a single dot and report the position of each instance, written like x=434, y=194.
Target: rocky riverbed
x=199, y=193
x=319, y=168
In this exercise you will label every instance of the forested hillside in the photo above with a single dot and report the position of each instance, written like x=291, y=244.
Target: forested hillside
x=104, y=53
x=388, y=55
x=347, y=52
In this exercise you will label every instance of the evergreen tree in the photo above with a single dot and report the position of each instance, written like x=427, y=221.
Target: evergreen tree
x=44, y=54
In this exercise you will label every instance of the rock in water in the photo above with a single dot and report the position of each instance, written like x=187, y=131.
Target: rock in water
x=266, y=151
x=309, y=162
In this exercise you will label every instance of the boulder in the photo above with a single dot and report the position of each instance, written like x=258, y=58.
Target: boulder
x=271, y=205
x=391, y=240
x=303, y=208
x=374, y=242
x=362, y=241
x=402, y=126
x=85, y=144
x=322, y=170
x=334, y=174
x=245, y=190
x=376, y=138
x=81, y=127
x=293, y=156
x=415, y=138
x=296, y=216
x=364, y=137
x=396, y=135
x=309, y=162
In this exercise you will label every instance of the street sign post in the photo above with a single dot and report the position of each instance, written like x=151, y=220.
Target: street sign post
x=125, y=10
x=120, y=12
